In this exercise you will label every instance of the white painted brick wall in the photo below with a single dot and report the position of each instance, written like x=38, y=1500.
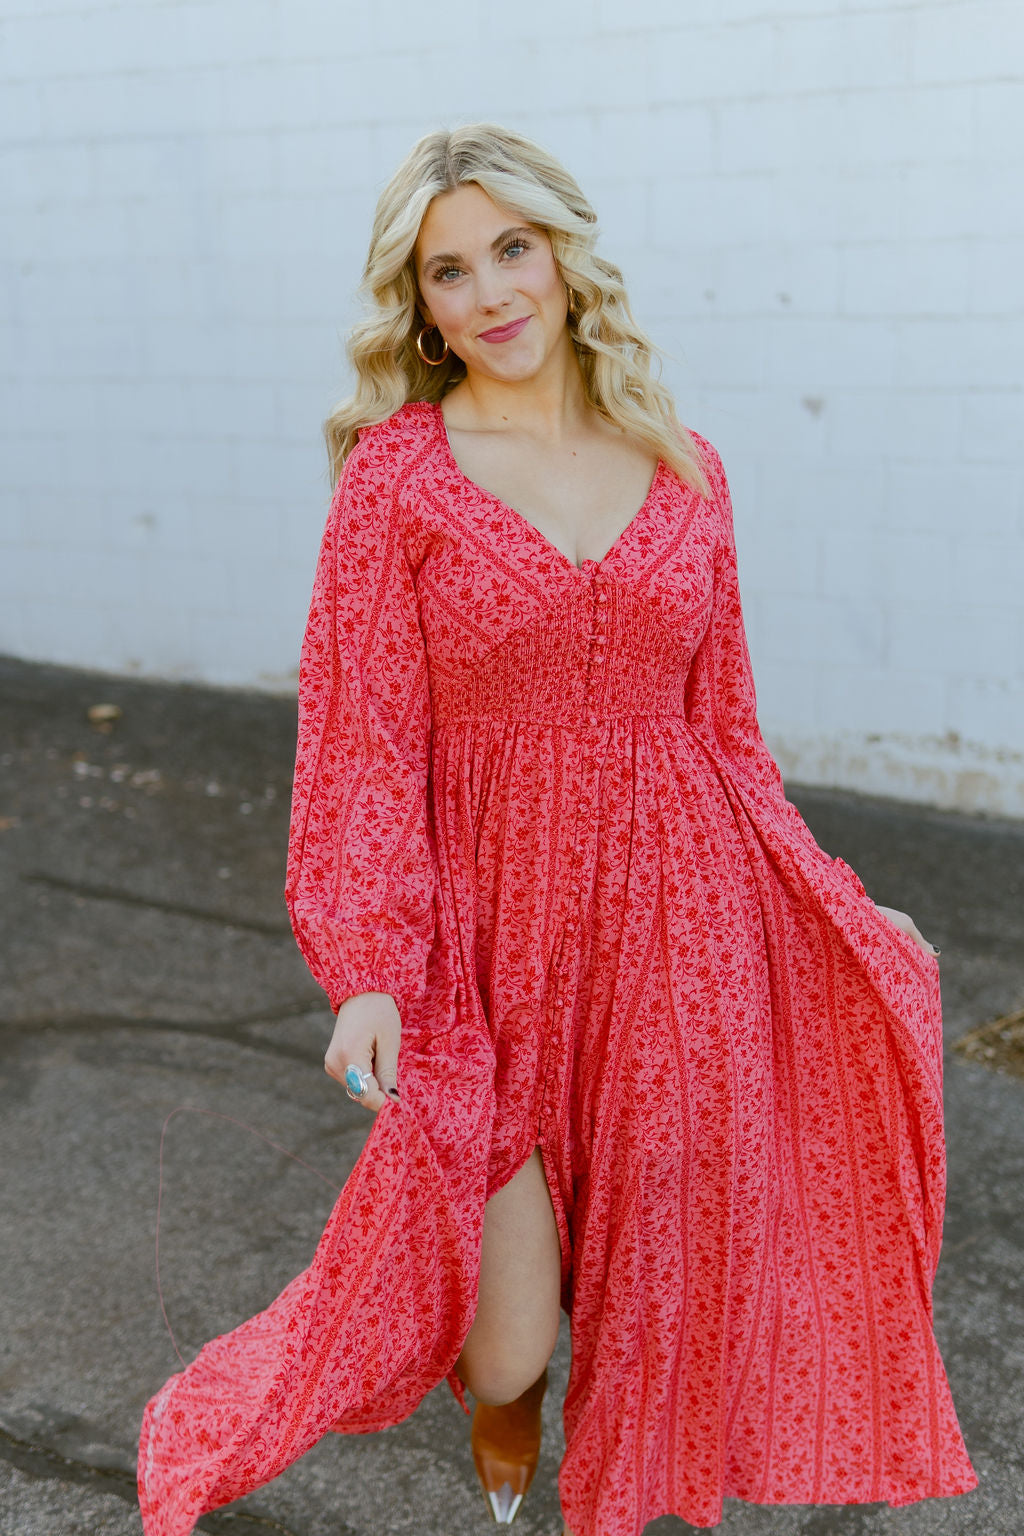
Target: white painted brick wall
x=817, y=206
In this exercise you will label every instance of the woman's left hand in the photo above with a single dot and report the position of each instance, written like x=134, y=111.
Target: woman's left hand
x=906, y=923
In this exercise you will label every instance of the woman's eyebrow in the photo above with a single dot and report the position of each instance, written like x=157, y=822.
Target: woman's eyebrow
x=499, y=240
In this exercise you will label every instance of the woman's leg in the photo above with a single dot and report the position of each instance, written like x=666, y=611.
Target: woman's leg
x=515, y=1328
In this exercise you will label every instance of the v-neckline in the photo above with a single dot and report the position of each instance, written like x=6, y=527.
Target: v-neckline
x=587, y=566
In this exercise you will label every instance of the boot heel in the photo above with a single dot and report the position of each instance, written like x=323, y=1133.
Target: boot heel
x=505, y=1441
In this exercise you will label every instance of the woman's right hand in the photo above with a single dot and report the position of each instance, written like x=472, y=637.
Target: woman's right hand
x=367, y=1031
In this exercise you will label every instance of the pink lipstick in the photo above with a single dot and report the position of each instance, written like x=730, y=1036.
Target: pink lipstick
x=504, y=332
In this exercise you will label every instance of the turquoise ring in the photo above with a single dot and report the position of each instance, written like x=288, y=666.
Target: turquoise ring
x=356, y=1081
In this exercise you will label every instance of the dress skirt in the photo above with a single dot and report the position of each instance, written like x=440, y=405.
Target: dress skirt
x=532, y=802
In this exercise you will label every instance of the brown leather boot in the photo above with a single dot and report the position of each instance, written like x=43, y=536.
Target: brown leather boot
x=505, y=1441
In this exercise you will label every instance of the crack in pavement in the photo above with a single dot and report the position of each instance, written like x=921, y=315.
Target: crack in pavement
x=232, y=1030
x=44, y=1464
x=154, y=903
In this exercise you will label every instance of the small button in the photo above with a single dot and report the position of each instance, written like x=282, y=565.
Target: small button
x=602, y=597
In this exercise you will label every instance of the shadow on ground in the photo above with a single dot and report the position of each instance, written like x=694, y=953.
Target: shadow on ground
x=149, y=966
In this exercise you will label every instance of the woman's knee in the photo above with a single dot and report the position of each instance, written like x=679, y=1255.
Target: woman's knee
x=495, y=1378
x=513, y=1335
x=516, y=1325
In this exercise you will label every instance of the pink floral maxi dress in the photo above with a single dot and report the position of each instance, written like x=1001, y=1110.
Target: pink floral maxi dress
x=532, y=802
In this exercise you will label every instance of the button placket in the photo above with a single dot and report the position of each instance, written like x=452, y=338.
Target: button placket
x=597, y=644
x=571, y=926
x=591, y=717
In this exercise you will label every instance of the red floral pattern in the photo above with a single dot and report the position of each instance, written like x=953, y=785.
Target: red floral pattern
x=532, y=802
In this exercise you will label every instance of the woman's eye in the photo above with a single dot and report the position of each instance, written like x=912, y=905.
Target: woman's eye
x=441, y=273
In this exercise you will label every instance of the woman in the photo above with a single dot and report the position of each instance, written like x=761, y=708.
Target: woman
x=636, y=1046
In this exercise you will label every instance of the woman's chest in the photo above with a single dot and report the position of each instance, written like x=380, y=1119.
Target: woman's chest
x=580, y=503
x=488, y=581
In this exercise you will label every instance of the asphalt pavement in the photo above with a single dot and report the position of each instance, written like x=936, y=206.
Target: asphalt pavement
x=148, y=967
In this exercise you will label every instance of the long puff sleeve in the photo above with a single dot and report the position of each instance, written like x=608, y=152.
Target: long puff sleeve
x=907, y=1055
x=722, y=699
x=361, y=868
x=379, y=1317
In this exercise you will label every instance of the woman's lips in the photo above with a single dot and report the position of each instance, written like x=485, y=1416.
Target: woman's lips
x=504, y=332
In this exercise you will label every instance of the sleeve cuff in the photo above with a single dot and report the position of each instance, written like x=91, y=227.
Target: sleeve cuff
x=341, y=988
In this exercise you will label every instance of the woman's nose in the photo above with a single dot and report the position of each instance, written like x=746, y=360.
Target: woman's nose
x=492, y=295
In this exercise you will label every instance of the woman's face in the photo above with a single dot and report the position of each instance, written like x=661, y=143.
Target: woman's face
x=481, y=269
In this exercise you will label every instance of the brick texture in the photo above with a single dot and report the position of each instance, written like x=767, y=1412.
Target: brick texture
x=817, y=209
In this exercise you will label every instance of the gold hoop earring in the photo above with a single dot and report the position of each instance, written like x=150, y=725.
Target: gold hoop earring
x=572, y=303
x=433, y=362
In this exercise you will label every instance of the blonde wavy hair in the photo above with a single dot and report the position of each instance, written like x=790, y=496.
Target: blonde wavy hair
x=616, y=357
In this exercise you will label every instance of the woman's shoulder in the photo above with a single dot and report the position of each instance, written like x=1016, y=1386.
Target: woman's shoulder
x=708, y=454
x=402, y=432
x=710, y=461
x=380, y=463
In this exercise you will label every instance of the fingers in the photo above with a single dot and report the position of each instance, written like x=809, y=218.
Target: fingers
x=337, y=1062
x=905, y=923
x=911, y=929
x=925, y=944
x=367, y=1030
x=385, y=1065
